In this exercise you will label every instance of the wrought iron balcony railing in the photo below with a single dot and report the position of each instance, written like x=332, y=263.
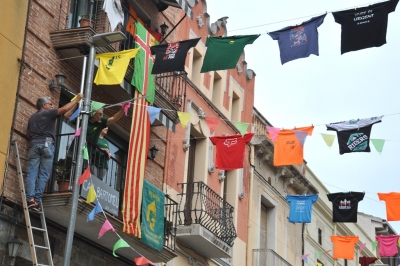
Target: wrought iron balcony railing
x=199, y=204
x=267, y=257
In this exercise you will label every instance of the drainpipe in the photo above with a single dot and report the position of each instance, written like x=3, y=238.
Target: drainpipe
x=251, y=177
x=303, y=226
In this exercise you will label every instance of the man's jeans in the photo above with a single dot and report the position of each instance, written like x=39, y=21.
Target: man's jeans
x=39, y=166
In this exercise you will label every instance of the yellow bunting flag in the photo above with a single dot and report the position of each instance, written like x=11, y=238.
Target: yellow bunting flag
x=74, y=98
x=91, y=194
x=184, y=118
x=328, y=138
x=319, y=264
x=112, y=66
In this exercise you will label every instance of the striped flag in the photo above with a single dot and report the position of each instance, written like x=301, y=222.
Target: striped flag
x=137, y=157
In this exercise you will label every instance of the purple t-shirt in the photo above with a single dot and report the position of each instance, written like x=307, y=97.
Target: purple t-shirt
x=298, y=41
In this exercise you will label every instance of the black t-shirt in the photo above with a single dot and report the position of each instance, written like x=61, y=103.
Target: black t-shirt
x=171, y=56
x=364, y=27
x=345, y=206
x=41, y=125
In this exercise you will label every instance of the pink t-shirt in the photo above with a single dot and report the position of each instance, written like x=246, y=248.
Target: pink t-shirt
x=387, y=245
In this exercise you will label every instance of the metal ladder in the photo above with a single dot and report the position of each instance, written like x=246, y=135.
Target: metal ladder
x=29, y=227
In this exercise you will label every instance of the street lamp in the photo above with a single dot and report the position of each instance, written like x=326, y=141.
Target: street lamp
x=13, y=247
x=97, y=40
x=60, y=78
x=153, y=152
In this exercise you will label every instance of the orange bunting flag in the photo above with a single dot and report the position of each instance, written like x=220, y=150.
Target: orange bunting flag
x=84, y=176
x=142, y=261
x=212, y=123
x=184, y=118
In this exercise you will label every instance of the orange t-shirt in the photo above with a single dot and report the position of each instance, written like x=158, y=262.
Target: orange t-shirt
x=343, y=247
x=288, y=148
x=392, y=200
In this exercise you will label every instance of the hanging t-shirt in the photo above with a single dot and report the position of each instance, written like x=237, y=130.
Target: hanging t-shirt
x=298, y=41
x=387, y=245
x=300, y=207
x=289, y=145
x=365, y=261
x=353, y=135
x=343, y=247
x=364, y=27
x=230, y=150
x=392, y=200
x=171, y=56
x=224, y=52
x=345, y=206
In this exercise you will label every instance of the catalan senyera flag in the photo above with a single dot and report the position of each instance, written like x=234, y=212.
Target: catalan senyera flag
x=112, y=66
x=142, y=78
x=137, y=157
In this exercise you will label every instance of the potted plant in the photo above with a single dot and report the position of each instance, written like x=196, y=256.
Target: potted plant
x=62, y=175
x=87, y=19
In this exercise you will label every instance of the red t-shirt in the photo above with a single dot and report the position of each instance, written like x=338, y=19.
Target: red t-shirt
x=230, y=150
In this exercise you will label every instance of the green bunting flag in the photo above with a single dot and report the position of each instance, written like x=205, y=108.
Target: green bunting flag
x=142, y=78
x=94, y=106
x=224, y=52
x=85, y=153
x=242, y=127
x=374, y=244
x=152, y=216
x=328, y=138
x=378, y=144
x=120, y=244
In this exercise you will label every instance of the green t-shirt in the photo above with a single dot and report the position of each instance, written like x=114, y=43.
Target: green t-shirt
x=224, y=52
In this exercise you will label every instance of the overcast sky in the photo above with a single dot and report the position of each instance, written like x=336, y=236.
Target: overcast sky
x=324, y=89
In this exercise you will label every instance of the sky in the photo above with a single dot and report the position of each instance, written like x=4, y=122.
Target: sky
x=324, y=89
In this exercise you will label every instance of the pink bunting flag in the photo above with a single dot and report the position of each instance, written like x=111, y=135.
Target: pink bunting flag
x=327, y=251
x=362, y=246
x=77, y=133
x=212, y=123
x=126, y=107
x=272, y=132
x=303, y=257
x=106, y=226
x=142, y=261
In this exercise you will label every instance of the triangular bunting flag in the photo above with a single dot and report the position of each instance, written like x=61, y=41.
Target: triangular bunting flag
x=305, y=260
x=327, y=251
x=153, y=113
x=328, y=138
x=94, y=106
x=362, y=246
x=126, y=107
x=272, y=133
x=317, y=254
x=84, y=176
x=301, y=136
x=85, y=153
x=184, y=118
x=142, y=261
x=319, y=264
x=374, y=244
x=77, y=133
x=106, y=226
x=212, y=123
x=75, y=114
x=242, y=127
x=95, y=211
x=73, y=98
x=112, y=67
x=120, y=244
x=303, y=257
x=378, y=144
x=91, y=196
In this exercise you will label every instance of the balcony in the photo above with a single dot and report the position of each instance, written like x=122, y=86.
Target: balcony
x=267, y=257
x=205, y=221
x=57, y=204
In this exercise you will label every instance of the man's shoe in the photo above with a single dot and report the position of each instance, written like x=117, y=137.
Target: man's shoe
x=32, y=204
x=36, y=209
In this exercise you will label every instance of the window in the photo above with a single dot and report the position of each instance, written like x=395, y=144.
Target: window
x=197, y=63
x=319, y=236
x=217, y=90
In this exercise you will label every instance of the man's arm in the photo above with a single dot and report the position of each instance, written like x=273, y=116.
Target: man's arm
x=115, y=117
x=70, y=105
x=28, y=135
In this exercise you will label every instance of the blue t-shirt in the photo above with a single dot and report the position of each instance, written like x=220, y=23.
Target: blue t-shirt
x=298, y=41
x=300, y=207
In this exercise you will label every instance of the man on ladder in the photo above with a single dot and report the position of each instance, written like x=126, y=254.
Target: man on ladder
x=41, y=134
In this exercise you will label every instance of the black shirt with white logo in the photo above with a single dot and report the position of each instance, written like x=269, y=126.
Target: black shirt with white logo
x=345, y=206
x=364, y=27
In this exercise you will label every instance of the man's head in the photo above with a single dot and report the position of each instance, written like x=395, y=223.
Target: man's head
x=44, y=103
x=97, y=116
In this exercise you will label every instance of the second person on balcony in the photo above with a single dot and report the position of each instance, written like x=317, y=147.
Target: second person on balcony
x=99, y=159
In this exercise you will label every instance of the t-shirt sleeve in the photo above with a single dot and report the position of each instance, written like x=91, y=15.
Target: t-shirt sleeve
x=381, y=196
x=391, y=6
x=331, y=197
x=214, y=140
x=247, y=137
x=314, y=198
x=288, y=198
x=338, y=17
x=274, y=35
x=53, y=113
x=319, y=20
x=359, y=196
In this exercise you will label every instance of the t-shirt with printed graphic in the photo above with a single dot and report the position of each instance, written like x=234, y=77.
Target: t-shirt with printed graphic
x=365, y=261
x=353, y=135
x=298, y=41
x=300, y=207
x=387, y=245
x=230, y=150
x=171, y=56
x=289, y=145
x=345, y=206
x=343, y=247
x=364, y=27
x=392, y=200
